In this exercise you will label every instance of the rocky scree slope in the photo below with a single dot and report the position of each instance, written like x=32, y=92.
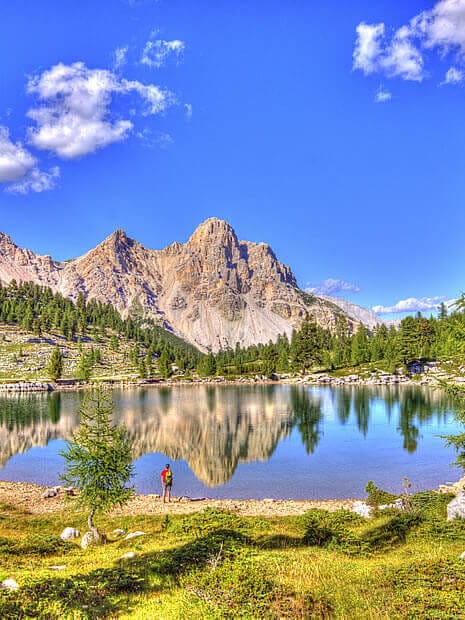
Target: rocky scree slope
x=214, y=290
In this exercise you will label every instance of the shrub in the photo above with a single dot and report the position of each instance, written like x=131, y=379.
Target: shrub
x=377, y=497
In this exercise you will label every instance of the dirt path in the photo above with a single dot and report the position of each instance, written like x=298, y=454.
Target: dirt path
x=28, y=498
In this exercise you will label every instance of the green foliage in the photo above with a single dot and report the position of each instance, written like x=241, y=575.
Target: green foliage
x=240, y=587
x=55, y=367
x=207, y=366
x=332, y=530
x=378, y=497
x=38, y=545
x=98, y=460
x=430, y=589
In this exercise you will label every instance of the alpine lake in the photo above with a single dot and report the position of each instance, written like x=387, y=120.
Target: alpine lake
x=249, y=441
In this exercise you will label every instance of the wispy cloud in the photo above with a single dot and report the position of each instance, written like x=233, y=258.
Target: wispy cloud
x=403, y=54
x=382, y=95
x=73, y=114
x=454, y=76
x=156, y=53
x=36, y=181
x=414, y=304
x=332, y=287
x=188, y=109
x=120, y=57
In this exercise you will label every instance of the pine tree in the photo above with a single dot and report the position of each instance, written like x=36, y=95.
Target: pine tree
x=55, y=366
x=98, y=459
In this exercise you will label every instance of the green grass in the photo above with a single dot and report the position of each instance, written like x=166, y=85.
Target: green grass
x=215, y=564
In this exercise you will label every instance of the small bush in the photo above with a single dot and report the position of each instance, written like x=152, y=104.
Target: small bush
x=329, y=529
x=377, y=497
x=208, y=521
x=36, y=545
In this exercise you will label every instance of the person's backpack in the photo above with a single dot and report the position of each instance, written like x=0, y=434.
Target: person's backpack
x=168, y=477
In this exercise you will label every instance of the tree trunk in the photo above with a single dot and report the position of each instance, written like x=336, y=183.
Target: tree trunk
x=98, y=536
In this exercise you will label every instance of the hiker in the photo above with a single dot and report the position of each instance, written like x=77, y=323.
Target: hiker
x=166, y=483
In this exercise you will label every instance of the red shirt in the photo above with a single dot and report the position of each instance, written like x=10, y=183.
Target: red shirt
x=163, y=475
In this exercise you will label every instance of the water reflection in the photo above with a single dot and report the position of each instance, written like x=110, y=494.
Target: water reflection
x=214, y=428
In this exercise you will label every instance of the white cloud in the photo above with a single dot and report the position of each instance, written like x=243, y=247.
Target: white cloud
x=373, y=54
x=74, y=117
x=120, y=57
x=15, y=160
x=156, y=53
x=35, y=181
x=454, y=76
x=382, y=95
x=402, y=54
x=332, y=287
x=442, y=26
x=188, y=109
x=414, y=304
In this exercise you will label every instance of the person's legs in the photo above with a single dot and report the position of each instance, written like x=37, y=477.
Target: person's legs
x=168, y=488
x=164, y=493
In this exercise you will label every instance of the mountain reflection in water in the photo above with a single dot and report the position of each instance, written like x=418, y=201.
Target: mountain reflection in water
x=214, y=428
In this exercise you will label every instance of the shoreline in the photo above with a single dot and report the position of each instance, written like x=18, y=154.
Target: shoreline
x=28, y=498
x=19, y=387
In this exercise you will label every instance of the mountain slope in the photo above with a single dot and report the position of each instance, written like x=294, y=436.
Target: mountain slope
x=214, y=290
x=355, y=312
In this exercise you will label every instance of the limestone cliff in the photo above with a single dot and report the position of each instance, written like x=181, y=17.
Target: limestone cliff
x=213, y=290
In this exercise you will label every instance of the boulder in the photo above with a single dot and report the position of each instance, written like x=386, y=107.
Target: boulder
x=462, y=555
x=362, y=509
x=134, y=535
x=128, y=556
x=69, y=533
x=456, y=508
x=49, y=493
x=118, y=532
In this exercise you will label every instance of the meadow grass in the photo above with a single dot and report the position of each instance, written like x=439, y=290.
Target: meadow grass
x=215, y=564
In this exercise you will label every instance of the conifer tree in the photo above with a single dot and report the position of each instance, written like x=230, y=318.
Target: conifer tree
x=98, y=459
x=55, y=366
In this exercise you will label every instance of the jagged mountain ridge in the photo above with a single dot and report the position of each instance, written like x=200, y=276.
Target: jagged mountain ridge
x=213, y=290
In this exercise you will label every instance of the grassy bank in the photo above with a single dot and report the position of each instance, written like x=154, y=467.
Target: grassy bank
x=217, y=564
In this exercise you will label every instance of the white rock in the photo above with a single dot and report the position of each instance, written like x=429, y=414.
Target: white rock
x=128, y=556
x=58, y=567
x=362, y=509
x=10, y=584
x=135, y=535
x=456, y=508
x=119, y=532
x=49, y=493
x=69, y=533
x=462, y=556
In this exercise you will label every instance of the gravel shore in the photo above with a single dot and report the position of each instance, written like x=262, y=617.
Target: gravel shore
x=28, y=498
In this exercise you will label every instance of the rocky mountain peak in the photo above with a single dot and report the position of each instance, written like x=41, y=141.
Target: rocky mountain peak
x=214, y=290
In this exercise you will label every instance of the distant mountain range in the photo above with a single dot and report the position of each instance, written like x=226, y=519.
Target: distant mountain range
x=214, y=290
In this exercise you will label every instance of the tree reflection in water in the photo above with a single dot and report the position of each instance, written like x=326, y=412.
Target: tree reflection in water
x=214, y=428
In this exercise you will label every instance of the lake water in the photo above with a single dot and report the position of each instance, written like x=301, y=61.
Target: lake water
x=249, y=441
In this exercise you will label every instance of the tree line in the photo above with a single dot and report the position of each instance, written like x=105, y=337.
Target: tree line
x=39, y=310
x=312, y=346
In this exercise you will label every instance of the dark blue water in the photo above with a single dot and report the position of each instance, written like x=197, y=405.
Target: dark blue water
x=254, y=441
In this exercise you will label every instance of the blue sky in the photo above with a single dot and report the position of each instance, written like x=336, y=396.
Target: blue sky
x=334, y=131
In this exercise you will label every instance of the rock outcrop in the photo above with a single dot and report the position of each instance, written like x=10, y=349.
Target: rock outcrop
x=213, y=290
